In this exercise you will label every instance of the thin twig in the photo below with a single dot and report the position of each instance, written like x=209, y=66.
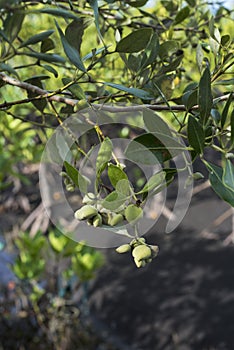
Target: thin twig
x=52, y=96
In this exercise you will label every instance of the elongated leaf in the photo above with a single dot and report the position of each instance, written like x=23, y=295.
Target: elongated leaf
x=145, y=95
x=46, y=57
x=75, y=89
x=123, y=187
x=104, y=155
x=135, y=41
x=74, y=33
x=58, y=12
x=47, y=45
x=196, y=135
x=63, y=148
x=37, y=38
x=37, y=81
x=154, y=123
x=228, y=175
x=199, y=57
x=94, y=53
x=205, y=101
x=13, y=24
x=113, y=201
x=116, y=174
x=7, y=68
x=70, y=51
x=137, y=3
x=94, y=5
x=79, y=180
x=50, y=69
x=232, y=128
x=151, y=51
x=182, y=15
x=215, y=177
x=147, y=149
x=225, y=110
x=153, y=182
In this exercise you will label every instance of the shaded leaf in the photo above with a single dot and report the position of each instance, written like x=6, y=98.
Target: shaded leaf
x=151, y=51
x=113, y=201
x=182, y=15
x=7, y=68
x=74, y=33
x=136, y=3
x=13, y=24
x=133, y=213
x=79, y=180
x=47, y=45
x=144, y=95
x=39, y=104
x=115, y=174
x=155, y=124
x=228, y=175
x=50, y=69
x=232, y=127
x=226, y=109
x=94, y=5
x=153, y=182
x=75, y=89
x=58, y=12
x=205, y=100
x=199, y=57
x=215, y=177
x=167, y=48
x=63, y=147
x=70, y=51
x=196, y=135
x=37, y=38
x=135, y=41
x=46, y=57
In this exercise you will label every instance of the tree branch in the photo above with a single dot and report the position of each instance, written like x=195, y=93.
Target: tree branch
x=52, y=96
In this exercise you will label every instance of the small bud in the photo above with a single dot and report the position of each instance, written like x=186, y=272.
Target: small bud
x=154, y=250
x=139, y=264
x=115, y=219
x=70, y=188
x=198, y=176
x=124, y=248
x=89, y=198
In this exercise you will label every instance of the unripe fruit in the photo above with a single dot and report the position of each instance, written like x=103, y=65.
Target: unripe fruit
x=115, y=219
x=139, y=263
x=124, y=248
x=154, y=250
x=97, y=220
x=70, y=188
x=89, y=198
x=86, y=212
x=141, y=252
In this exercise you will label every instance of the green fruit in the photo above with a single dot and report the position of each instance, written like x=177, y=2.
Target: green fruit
x=97, y=220
x=141, y=252
x=124, y=248
x=115, y=219
x=138, y=263
x=70, y=188
x=154, y=250
x=89, y=198
x=86, y=212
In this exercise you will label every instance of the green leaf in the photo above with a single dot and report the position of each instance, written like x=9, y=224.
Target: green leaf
x=70, y=51
x=232, y=127
x=39, y=104
x=75, y=89
x=199, y=57
x=133, y=213
x=135, y=41
x=94, y=5
x=182, y=15
x=63, y=147
x=45, y=57
x=155, y=124
x=123, y=187
x=144, y=95
x=113, y=201
x=47, y=45
x=154, y=181
x=79, y=180
x=50, y=69
x=147, y=149
x=228, y=175
x=94, y=53
x=104, y=155
x=7, y=68
x=205, y=100
x=37, y=38
x=115, y=174
x=137, y=3
x=13, y=24
x=58, y=12
x=167, y=48
x=215, y=177
x=74, y=33
x=226, y=109
x=151, y=51
x=196, y=135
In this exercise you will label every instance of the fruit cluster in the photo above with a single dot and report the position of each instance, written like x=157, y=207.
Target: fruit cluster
x=142, y=252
